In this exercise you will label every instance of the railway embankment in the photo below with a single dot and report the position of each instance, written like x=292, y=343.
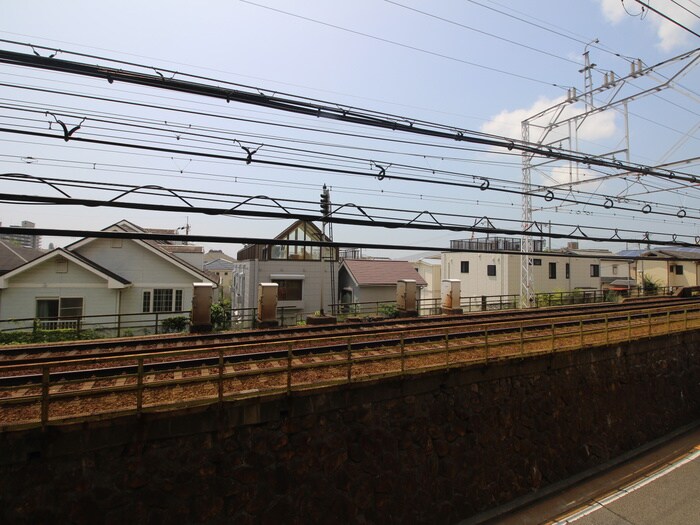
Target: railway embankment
x=429, y=447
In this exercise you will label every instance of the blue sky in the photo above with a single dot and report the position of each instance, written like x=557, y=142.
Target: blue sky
x=482, y=65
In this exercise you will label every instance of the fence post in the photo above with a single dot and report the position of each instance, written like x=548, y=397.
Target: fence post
x=685, y=319
x=553, y=337
x=289, y=368
x=486, y=343
x=44, y=395
x=668, y=322
x=629, y=327
x=522, y=339
x=447, y=346
x=119, y=325
x=580, y=328
x=403, y=355
x=649, y=324
x=156, y=327
x=221, y=376
x=607, y=333
x=139, y=386
x=349, y=359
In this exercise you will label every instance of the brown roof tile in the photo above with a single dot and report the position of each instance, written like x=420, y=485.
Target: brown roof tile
x=372, y=272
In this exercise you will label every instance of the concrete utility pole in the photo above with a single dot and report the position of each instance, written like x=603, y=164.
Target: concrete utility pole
x=552, y=119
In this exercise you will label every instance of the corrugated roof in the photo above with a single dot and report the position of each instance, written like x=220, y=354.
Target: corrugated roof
x=372, y=272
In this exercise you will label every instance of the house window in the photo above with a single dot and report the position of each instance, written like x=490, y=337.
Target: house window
x=679, y=269
x=595, y=270
x=552, y=270
x=62, y=308
x=614, y=269
x=536, y=262
x=289, y=289
x=162, y=300
x=491, y=270
x=464, y=266
x=567, y=270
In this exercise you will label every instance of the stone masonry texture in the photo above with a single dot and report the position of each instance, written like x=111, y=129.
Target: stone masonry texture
x=427, y=448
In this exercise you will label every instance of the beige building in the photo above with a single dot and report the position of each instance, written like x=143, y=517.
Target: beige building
x=666, y=268
x=493, y=273
x=430, y=269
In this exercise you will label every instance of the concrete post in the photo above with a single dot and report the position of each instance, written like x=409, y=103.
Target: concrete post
x=406, y=298
x=267, y=305
x=450, y=293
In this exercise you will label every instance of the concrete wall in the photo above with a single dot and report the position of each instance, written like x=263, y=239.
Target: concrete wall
x=432, y=273
x=434, y=448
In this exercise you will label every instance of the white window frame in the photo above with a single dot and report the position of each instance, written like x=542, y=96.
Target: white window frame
x=176, y=300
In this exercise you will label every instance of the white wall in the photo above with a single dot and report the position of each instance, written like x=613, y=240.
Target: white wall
x=507, y=279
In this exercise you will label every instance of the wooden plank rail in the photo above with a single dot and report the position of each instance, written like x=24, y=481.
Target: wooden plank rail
x=133, y=393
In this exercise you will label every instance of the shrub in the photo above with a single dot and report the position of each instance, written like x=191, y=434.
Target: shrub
x=175, y=324
x=220, y=315
x=388, y=310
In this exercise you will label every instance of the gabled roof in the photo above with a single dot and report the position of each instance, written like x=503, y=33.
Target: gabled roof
x=12, y=255
x=218, y=264
x=310, y=227
x=373, y=272
x=153, y=246
x=212, y=255
x=668, y=253
x=113, y=280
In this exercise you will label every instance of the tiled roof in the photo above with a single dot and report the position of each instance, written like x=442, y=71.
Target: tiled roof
x=372, y=272
x=12, y=256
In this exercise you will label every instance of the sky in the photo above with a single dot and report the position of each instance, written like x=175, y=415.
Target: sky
x=481, y=65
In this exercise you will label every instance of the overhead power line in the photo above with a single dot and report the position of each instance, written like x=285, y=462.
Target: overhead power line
x=408, y=46
x=335, y=112
x=101, y=234
x=482, y=32
x=676, y=22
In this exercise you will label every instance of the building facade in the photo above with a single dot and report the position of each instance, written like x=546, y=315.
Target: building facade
x=23, y=239
x=306, y=275
x=493, y=273
x=120, y=280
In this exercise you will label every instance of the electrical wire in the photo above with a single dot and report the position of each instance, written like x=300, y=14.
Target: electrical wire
x=408, y=46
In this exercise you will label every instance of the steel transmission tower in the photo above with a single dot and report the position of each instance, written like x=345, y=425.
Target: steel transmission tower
x=554, y=119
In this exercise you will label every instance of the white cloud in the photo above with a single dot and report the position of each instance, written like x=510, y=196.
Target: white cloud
x=670, y=35
x=613, y=10
x=581, y=179
x=508, y=123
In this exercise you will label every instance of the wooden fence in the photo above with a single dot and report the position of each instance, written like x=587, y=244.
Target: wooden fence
x=143, y=390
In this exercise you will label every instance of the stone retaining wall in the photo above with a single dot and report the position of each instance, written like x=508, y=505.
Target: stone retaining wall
x=430, y=448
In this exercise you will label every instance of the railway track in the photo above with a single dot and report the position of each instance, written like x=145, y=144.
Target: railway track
x=130, y=383
x=312, y=336
x=23, y=369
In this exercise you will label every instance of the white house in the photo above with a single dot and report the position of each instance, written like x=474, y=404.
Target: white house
x=123, y=281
